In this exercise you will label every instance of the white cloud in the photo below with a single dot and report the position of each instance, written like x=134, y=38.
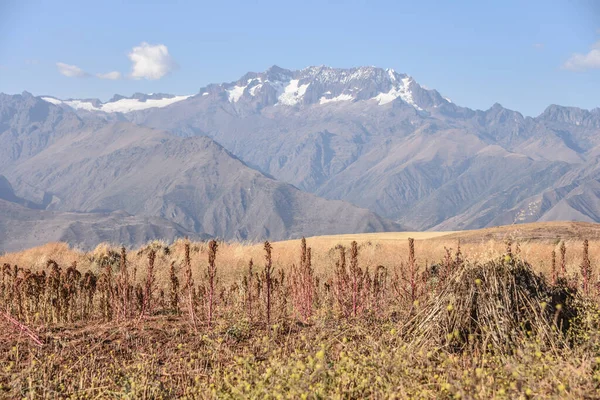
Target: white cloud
x=148, y=61
x=151, y=61
x=113, y=75
x=71, y=71
x=582, y=62
x=539, y=46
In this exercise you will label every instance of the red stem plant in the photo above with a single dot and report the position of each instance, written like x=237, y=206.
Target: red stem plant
x=563, y=260
x=174, y=295
x=407, y=284
x=211, y=274
x=23, y=328
x=586, y=267
x=356, y=275
x=342, y=282
x=247, y=283
x=413, y=270
x=458, y=260
x=378, y=288
x=268, y=275
x=189, y=287
x=448, y=265
x=105, y=286
x=148, y=288
x=123, y=288
x=349, y=284
x=303, y=283
x=69, y=292
x=553, y=268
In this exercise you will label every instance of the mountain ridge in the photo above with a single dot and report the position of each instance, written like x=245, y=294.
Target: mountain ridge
x=377, y=139
x=319, y=74
x=108, y=166
x=313, y=145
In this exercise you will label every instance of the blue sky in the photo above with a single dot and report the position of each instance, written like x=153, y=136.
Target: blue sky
x=522, y=54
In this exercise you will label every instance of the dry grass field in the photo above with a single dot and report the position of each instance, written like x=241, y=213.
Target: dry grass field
x=507, y=312
x=536, y=242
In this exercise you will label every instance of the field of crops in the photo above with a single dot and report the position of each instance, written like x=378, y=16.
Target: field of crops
x=507, y=313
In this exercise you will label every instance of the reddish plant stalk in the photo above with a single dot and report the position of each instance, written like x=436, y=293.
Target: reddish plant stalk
x=354, y=271
x=249, y=297
x=563, y=260
x=586, y=268
x=268, y=277
x=412, y=266
x=150, y=278
x=22, y=328
x=554, y=277
x=342, y=283
x=174, y=301
x=123, y=284
x=212, y=273
x=302, y=283
x=459, y=259
x=189, y=285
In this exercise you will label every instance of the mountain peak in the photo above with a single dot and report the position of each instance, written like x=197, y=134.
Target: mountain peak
x=116, y=97
x=553, y=108
x=571, y=115
x=323, y=84
x=276, y=69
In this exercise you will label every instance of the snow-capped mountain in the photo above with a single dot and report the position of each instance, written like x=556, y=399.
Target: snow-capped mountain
x=282, y=87
x=325, y=85
x=120, y=104
x=369, y=136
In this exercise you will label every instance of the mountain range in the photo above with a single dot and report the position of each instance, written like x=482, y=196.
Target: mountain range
x=283, y=153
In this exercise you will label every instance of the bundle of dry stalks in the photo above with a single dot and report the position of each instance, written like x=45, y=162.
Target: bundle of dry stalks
x=491, y=306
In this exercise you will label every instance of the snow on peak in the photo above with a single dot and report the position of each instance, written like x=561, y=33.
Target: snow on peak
x=341, y=97
x=392, y=74
x=399, y=89
x=327, y=85
x=52, y=100
x=123, y=105
x=235, y=93
x=128, y=105
x=253, y=89
x=292, y=93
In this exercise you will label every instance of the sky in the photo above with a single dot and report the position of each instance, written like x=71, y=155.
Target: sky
x=524, y=55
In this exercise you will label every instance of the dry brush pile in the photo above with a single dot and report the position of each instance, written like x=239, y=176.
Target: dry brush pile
x=430, y=311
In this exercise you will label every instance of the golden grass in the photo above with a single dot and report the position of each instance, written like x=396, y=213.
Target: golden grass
x=536, y=242
x=346, y=239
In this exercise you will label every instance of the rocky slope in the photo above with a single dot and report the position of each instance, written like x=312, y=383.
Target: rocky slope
x=24, y=224
x=194, y=183
x=378, y=139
